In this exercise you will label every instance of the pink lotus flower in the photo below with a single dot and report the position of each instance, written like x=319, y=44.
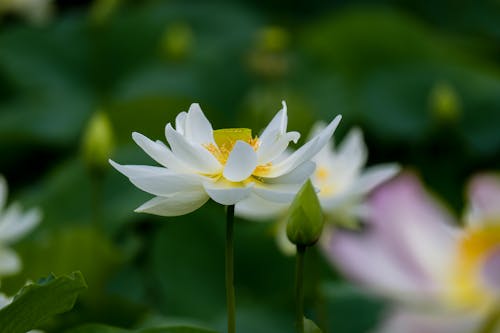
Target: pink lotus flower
x=444, y=278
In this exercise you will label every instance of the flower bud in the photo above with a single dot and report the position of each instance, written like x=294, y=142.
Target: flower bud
x=305, y=220
x=97, y=142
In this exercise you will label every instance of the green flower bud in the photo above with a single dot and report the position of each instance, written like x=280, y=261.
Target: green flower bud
x=305, y=220
x=98, y=142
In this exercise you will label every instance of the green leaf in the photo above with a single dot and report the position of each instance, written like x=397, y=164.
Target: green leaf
x=35, y=303
x=310, y=326
x=167, y=329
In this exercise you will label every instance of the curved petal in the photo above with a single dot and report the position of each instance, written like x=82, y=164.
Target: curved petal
x=280, y=193
x=9, y=262
x=15, y=224
x=241, y=162
x=198, y=128
x=180, y=123
x=373, y=177
x=297, y=176
x=484, y=199
x=419, y=231
x=180, y=203
x=367, y=260
x=159, y=152
x=404, y=320
x=194, y=155
x=159, y=181
x=352, y=152
x=276, y=126
x=304, y=153
x=227, y=193
x=256, y=208
x=271, y=150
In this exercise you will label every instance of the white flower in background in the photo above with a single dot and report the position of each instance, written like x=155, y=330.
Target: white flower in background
x=341, y=180
x=35, y=11
x=445, y=279
x=227, y=165
x=14, y=224
x=4, y=301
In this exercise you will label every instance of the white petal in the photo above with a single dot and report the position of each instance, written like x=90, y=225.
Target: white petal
x=281, y=193
x=304, y=153
x=132, y=171
x=270, y=151
x=180, y=123
x=198, y=128
x=194, y=155
x=241, y=162
x=9, y=262
x=227, y=193
x=159, y=152
x=3, y=192
x=276, y=127
x=178, y=204
x=352, y=152
x=297, y=176
x=4, y=300
x=15, y=224
x=373, y=177
x=160, y=181
x=256, y=208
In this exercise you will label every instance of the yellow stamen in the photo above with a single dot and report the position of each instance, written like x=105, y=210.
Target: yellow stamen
x=225, y=140
x=473, y=249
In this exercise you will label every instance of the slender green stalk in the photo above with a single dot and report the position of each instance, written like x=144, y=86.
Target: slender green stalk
x=230, y=299
x=299, y=288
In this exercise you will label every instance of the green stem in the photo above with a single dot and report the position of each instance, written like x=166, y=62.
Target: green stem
x=230, y=299
x=492, y=321
x=299, y=288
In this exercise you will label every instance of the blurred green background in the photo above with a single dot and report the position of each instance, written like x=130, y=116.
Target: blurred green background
x=422, y=79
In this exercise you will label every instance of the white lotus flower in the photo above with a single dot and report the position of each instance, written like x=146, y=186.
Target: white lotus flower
x=341, y=181
x=444, y=278
x=14, y=224
x=227, y=165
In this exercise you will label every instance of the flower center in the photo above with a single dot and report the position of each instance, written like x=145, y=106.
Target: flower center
x=225, y=140
x=473, y=266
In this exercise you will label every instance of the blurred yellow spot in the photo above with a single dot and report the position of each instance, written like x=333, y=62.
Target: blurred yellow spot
x=98, y=141
x=445, y=102
x=322, y=174
x=177, y=40
x=273, y=39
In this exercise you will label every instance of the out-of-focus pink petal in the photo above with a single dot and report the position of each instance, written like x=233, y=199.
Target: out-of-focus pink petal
x=490, y=272
x=484, y=199
x=405, y=321
x=407, y=245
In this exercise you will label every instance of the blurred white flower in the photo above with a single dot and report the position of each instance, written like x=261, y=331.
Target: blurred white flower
x=341, y=180
x=35, y=11
x=14, y=224
x=4, y=301
x=227, y=165
x=446, y=278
